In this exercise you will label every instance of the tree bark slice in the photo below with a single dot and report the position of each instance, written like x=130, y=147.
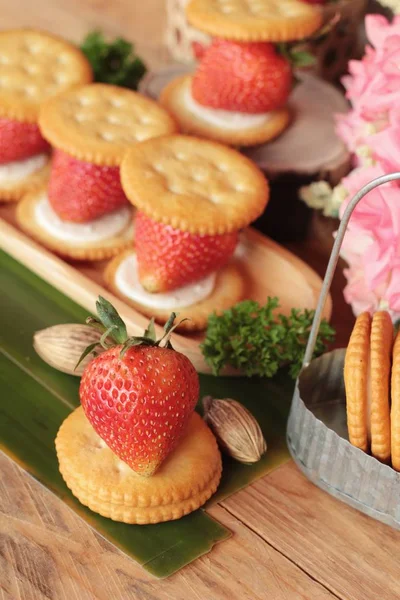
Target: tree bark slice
x=310, y=146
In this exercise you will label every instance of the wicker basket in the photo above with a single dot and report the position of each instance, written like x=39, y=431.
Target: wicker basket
x=332, y=50
x=181, y=38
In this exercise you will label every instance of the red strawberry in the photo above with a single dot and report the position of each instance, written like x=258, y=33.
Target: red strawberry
x=20, y=140
x=80, y=191
x=169, y=258
x=315, y=1
x=245, y=77
x=138, y=398
x=198, y=49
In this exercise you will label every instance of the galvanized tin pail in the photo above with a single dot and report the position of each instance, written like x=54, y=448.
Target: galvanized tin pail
x=317, y=428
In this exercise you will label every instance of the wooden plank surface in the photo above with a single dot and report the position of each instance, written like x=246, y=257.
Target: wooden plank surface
x=291, y=541
x=46, y=551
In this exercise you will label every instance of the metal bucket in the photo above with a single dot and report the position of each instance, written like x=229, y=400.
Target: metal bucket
x=317, y=427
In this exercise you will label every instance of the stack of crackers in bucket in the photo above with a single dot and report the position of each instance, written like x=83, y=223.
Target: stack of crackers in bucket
x=372, y=381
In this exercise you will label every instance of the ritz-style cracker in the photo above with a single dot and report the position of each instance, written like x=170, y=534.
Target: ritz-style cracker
x=108, y=486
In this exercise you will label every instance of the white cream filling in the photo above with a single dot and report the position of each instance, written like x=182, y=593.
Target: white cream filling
x=127, y=281
x=103, y=228
x=19, y=169
x=226, y=119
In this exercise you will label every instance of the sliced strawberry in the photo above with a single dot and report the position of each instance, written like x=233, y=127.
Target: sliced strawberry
x=139, y=402
x=19, y=141
x=80, y=191
x=169, y=258
x=244, y=77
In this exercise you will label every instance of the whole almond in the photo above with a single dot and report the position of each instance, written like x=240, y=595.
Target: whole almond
x=61, y=346
x=236, y=429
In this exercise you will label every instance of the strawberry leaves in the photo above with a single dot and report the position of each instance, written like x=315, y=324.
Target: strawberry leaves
x=114, y=332
x=298, y=57
x=111, y=321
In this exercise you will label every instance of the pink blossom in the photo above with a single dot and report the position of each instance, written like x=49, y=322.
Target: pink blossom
x=357, y=293
x=379, y=211
x=371, y=130
x=386, y=147
x=378, y=29
x=352, y=129
x=362, y=297
x=392, y=294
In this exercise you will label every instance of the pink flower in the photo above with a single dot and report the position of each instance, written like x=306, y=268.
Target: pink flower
x=373, y=83
x=378, y=263
x=361, y=72
x=379, y=211
x=357, y=293
x=371, y=130
x=385, y=146
x=378, y=29
x=366, y=251
x=352, y=129
x=392, y=294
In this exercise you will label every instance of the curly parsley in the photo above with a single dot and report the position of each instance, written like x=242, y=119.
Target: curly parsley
x=258, y=341
x=113, y=62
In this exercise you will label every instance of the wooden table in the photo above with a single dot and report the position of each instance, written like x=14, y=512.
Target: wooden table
x=291, y=541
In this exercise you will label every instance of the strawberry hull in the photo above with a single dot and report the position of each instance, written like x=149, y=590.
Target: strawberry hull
x=80, y=191
x=19, y=141
x=169, y=258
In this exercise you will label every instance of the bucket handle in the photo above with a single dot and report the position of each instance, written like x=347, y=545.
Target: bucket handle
x=334, y=257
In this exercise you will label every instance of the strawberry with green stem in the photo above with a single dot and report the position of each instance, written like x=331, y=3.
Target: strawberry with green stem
x=248, y=77
x=140, y=393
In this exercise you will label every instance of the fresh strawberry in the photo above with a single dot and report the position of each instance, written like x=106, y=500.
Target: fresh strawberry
x=244, y=77
x=80, y=191
x=169, y=258
x=198, y=49
x=315, y=1
x=20, y=140
x=137, y=395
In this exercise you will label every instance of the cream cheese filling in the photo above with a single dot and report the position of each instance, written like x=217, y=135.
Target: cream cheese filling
x=19, y=169
x=103, y=228
x=225, y=119
x=127, y=281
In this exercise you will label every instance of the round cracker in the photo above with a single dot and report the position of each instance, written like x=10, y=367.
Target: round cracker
x=35, y=66
x=255, y=20
x=98, y=122
x=194, y=185
x=13, y=191
x=173, y=99
x=100, y=480
x=356, y=372
x=381, y=357
x=230, y=287
x=395, y=409
x=91, y=251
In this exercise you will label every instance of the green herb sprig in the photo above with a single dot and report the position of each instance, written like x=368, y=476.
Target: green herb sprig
x=296, y=55
x=113, y=62
x=257, y=341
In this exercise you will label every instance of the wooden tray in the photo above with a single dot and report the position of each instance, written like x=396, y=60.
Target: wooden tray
x=271, y=271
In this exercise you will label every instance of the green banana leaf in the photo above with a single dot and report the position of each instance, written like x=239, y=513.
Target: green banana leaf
x=36, y=399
